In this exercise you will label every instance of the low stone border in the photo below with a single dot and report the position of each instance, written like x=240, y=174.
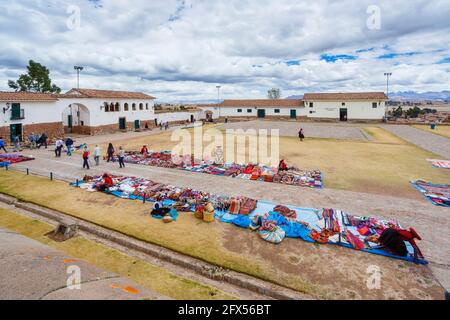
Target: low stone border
x=205, y=269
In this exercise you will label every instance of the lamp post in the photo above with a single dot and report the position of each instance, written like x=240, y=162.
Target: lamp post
x=79, y=69
x=387, y=75
x=218, y=98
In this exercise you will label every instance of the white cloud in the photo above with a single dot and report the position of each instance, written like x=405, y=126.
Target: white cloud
x=181, y=49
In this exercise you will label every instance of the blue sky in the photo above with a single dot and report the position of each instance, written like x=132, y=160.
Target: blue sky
x=182, y=49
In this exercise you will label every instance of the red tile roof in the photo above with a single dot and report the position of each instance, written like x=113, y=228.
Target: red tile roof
x=279, y=103
x=345, y=96
x=105, y=94
x=26, y=96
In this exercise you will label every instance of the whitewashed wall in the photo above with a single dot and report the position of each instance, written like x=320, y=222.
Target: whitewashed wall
x=98, y=116
x=356, y=110
x=35, y=113
x=270, y=111
x=178, y=116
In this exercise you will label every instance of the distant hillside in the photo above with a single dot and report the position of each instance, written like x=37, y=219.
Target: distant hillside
x=295, y=97
x=417, y=96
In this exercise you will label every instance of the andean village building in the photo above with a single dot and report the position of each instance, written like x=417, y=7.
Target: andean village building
x=89, y=111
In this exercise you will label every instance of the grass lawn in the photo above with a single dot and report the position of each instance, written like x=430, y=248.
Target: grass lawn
x=149, y=276
x=322, y=271
x=383, y=166
x=440, y=129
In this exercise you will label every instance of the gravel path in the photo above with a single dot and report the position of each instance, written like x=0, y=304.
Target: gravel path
x=425, y=140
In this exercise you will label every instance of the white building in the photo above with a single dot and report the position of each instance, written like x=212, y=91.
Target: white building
x=89, y=111
x=262, y=108
x=362, y=106
x=346, y=106
x=24, y=112
x=83, y=111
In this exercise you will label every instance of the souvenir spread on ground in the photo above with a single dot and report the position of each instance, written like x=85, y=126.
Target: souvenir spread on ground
x=444, y=164
x=270, y=221
x=437, y=194
x=11, y=158
x=292, y=176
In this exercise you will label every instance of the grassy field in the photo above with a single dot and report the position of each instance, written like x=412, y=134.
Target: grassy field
x=328, y=272
x=383, y=166
x=440, y=130
x=149, y=276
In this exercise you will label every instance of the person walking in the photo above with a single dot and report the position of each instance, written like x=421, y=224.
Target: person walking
x=110, y=153
x=2, y=144
x=69, y=145
x=43, y=140
x=121, y=157
x=16, y=142
x=32, y=141
x=301, y=135
x=86, y=158
x=38, y=140
x=97, y=153
x=59, y=144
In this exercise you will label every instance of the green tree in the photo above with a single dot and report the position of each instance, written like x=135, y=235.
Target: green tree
x=398, y=112
x=274, y=93
x=37, y=79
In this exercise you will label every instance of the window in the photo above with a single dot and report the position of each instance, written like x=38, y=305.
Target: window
x=111, y=107
x=117, y=107
x=146, y=106
x=133, y=106
x=125, y=107
x=16, y=112
x=239, y=110
x=343, y=104
x=141, y=106
x=277, y=110
x=249, y=110
x=106, y=106
x=311, y=105
x=374, y=105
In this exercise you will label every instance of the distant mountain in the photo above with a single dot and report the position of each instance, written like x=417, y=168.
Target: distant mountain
x=408, y=96
x=295, y=97
x=420, y=96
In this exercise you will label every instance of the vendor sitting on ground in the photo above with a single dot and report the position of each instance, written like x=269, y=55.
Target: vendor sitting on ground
x=144, y=150
x=282, y=166
x=159, y=210
x=107, y=182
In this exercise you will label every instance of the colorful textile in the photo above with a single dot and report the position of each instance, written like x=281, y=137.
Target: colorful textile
x=325, y=226
x=437, y=194
x=274, y=236
x=12, y=158
x=253, y=172
x=444, y=164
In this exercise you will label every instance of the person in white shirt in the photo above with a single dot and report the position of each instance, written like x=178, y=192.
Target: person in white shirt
x=58, y=147
x=121, y=157
x=97, y=153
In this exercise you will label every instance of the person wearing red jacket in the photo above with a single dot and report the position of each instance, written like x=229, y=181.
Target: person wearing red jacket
x=86, y=158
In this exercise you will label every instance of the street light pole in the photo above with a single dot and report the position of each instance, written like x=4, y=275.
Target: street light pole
x=218, y=98
x=387, y=75
x=79, y=69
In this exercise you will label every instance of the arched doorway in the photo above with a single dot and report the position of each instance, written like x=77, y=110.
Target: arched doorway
x=76, y=119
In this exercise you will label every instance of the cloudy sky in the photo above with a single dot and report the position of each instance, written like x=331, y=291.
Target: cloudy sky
x=179, y=50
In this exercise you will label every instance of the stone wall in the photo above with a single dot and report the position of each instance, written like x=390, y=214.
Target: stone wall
x=53, y=130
